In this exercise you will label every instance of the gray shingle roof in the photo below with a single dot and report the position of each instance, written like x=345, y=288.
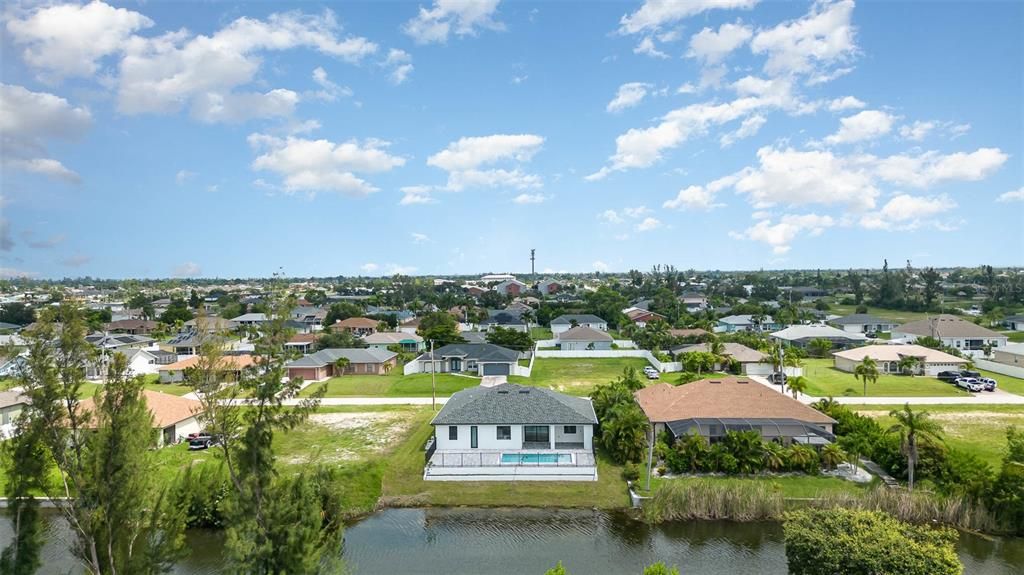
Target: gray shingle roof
x=487, y=352
x=354, y=355
x=509, y=403
x=580, y=319
x=946, y=325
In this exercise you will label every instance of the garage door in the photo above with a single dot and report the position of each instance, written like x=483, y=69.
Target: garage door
x=496, y=369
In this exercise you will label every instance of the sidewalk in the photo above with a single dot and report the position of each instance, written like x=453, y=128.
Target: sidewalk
x=982, y=398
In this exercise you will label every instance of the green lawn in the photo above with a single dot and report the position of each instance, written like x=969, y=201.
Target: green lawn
x=980, y=429
x=823, y=380
x=393, y=385
x=1015, y=336
x=403, y=484
x=576, y=376
x=893, y=314
x=791, y=486
x=89, y=388
x=1005, y=382
x=541, y=333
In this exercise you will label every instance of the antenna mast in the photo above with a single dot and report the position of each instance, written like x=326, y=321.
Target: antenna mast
x=533, y=271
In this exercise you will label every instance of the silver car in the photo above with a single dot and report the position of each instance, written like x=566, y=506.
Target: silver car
x=970, y=384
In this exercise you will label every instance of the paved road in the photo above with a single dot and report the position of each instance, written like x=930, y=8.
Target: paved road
x=986, y=397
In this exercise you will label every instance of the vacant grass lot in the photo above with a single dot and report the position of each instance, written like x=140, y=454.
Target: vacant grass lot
x=980, y=429
x=393, y=385
x=823, y=380
x=89, y=388
x=403, y=484
x=1006, y=382
x=898, y=316
x=791, y=486
x=577, y=376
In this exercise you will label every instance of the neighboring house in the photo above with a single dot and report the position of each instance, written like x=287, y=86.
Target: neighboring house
x=548, y=287
x=693, y=302
x=887, y=357
x=863, y=323
x=11, y=405
x=410, y=325
x=475, y=291
x=803, y=335
x=311, y=317
x=584, y=338
x=251, y=319
x=230, y=366
x=406, y=341
x=478, y=358
x=563, y=323
x=746, y=322
x=807, y=293
x=751, y=361
x=952, y=331
x=302, y=342
x=132, y=326
x=641, y=317
x=188, y=343
x=506, y=318
x=1009, y=354
x=140, y=361
x=118, y=340
x=7, y=327
x=324, y=363
x=693, y=332
x=497, y=277
x=175, y=417
x=357, y=325
x=511, y=288
x=212, y=324
x=711, y=407
x=474, y=336
x=513, y=432
x=1014, y=322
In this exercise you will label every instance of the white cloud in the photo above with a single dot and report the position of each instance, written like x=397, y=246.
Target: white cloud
x=748, y=128
x=628, y=96
x=321, y=165
x=610, y=216
x=810, y=44
x=187, y=270
x=1013, y=196
x=600, y=266
x=686, y=88
x=235, y=107
x=416, y=195
x=794, y=177
x=369, y=267
x=700, y=197
x=464, y=160
x=418, y=238
x=845, y=103
x=712, y=47
x=329, y=91
x=167, y=72
x=928, y=168
x=648, y=224
x=75, y=261
x=780, y=235
x=400, y=63
x=396, y=269
x=958, y=130
x=866, y=125
x=906, y=212
x=28, y=120
x=183, y=176
x=636, y=212
x=657, y=13
x=646, y=47
x=69, y=40
x=917, y=131
x=530, y=199
x=44, y=243
x=435, y=24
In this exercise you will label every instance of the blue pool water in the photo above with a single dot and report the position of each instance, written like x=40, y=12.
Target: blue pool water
x=536, y=458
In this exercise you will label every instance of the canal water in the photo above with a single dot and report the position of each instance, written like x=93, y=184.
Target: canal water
x=530, y=541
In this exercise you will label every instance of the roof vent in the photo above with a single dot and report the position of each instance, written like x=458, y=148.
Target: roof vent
x=524, y=391
x=742, y=381
x=503, y=391
x=714, y=381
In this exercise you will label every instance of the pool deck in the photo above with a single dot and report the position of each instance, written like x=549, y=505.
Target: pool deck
x=486, y=465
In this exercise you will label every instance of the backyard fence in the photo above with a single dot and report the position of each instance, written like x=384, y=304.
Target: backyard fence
x=1002, y=368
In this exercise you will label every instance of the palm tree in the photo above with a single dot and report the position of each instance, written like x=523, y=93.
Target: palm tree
x=907, y=364
x=339, y=365
x=913, y=427
x=832, y=455
x=774, y=455
x=797, y=385
x=866, y=371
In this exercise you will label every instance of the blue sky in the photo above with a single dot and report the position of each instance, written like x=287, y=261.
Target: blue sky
x=161, y=139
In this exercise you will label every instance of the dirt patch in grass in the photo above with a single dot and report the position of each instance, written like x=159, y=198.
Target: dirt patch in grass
x=342, y=437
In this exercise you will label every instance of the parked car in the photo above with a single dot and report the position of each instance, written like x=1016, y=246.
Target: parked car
x=198, y=442
x=989, y=383
x=970, y=384
x=948, y=376
x=778, y=378
x=652, y=374
x=974, y=374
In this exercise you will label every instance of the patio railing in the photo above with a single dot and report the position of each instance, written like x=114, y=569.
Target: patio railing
x=494, y=459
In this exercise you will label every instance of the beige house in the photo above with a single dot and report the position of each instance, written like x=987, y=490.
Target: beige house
x=888, y=357
x=174, y=417
x=953, y=331
x=11, y=405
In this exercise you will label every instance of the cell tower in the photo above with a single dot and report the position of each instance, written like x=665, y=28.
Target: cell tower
x=533, y=272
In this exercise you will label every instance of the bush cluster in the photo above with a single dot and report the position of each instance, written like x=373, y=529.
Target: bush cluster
x=739, y=452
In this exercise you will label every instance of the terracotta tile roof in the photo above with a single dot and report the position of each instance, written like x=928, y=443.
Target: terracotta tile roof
x=687, y=332
x=229, y=361
x=303, y=338
x=896, y=352
x=167, y=409
x=727, y=398
x=357, y=322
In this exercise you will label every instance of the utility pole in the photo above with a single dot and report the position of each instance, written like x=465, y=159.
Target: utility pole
x=533, y=271
x=433, y=378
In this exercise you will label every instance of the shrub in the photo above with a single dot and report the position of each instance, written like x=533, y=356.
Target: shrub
x=689, y=454
x=631, y=472
x=679, y=500
x=688, y=376
x=660, y=568
x=825, y=542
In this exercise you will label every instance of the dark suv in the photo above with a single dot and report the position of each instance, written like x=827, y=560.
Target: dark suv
x=778, y=378
x=948, y=376
x=200, y=441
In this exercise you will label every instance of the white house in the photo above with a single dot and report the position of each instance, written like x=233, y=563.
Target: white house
x=952, y=331
x=175, y=417
x=863, y=323
x=565, y=322
x=584, y=338
x=513, y=432
x=1014, y=322
x=888, y=357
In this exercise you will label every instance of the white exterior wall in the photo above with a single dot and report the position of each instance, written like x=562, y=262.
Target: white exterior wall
x=584, y=345
x=955, y=342
x=182, y=429
x=141, y=366
x=564, y=327
x=487, y=437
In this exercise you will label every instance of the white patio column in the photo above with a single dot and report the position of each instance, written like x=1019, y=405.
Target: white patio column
x=551, y=434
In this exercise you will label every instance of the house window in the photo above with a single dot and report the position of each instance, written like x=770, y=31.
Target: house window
x=569, y=429
x=504, y=432
x=453, y=433
x=536, y=434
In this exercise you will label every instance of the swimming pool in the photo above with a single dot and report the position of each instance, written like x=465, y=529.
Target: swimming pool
x=536, y=458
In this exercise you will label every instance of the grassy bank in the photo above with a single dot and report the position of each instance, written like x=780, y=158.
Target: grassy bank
x=89, y=388
x=789, y=486
x=823, y=380
x=577, y=376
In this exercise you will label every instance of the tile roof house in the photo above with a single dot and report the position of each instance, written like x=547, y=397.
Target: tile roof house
x=251, y=319
x=584, y=338
x=711, y=407
x=641, y=317
x=323, y=364
x=511, y=287
x=231, y=367
x=751, y=360
x=505, y=318
x=803, y=335
x=863, y=323
x=931, y=361
x=479, y=358
x=383, y=339
x=302, y=342
x=565, y=322
x=688, y=332
x=951, y=330
x=513, y=432
x=357, y=325
x=11, y=405
x=175, y=417
x=746, y=322
x=132, y=326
